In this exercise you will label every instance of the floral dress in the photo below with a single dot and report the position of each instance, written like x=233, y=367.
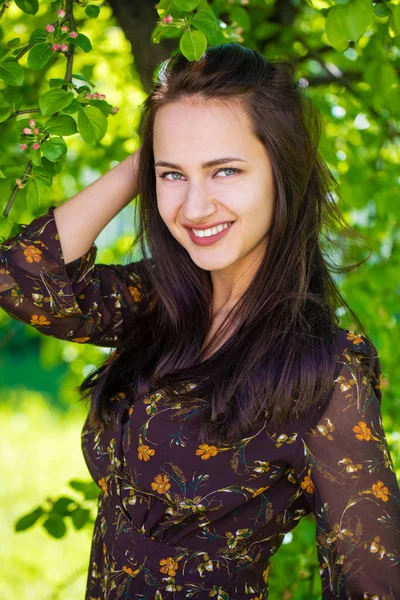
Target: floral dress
x=177, y=519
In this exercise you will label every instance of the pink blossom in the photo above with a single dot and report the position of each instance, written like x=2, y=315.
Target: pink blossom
x=7, y=4
x=55, y=47
x=61, y=13
x=96, y=95
x=167, y=19
x=36, y=146
x=50, y=28
x=36, y=130
x=27, y=131
x=73, y=34
x=32, y=123
x=64, y=47
x=102, y=96
x=18, y=182
x=24, y=147
x=64, y=28
x=114, y=110
x=88, y=95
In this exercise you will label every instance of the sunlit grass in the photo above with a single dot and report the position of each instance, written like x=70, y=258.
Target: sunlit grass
x=41, y=451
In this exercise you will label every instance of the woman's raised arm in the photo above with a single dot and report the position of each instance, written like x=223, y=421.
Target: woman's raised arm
x=48, y=275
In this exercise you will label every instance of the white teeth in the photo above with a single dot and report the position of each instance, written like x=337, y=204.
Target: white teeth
x=212, y=231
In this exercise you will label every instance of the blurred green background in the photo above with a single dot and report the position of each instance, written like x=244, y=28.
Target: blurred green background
x=348, y=56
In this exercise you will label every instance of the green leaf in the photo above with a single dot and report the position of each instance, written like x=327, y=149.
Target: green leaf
x=14, y=43
x=2, y=176
x=3, y=52
x=54, y=148
x=11, y=72
x=348, y=22
x=382, y=10
x=39, y=56
x=35, y=155
x=57, y=82
x=186, y=5
x=89, y=490
x=47, y=168
x=5, y=229
x=37, y=36
x=82, y=78
x=54, y=100
x=82, y=41
x=28, y=520
x=395, y=20
x=5, y=112
x=205, y=22
x=72, y=108
x=33, y=197
x=92, y=124
x=62, y=125
x=61, y=506
x=29, y=7
x=42, y=175
x=193, y=44
x=80, y=517
x=92, y=11
x=241, y=17
x=55, y=526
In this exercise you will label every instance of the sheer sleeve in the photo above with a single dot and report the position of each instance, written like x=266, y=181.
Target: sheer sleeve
x=79, y=301
x=347, y=476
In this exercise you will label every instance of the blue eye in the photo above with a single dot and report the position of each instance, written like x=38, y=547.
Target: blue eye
x=164, y=175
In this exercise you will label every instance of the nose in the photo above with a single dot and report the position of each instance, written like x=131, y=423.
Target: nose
x=198, y=207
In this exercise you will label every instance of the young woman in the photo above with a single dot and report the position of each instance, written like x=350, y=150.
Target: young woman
x=233, y=403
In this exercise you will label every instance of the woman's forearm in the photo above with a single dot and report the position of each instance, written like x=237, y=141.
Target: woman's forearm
x=80, y=219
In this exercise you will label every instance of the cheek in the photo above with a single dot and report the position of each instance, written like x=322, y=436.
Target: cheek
x=168, y=208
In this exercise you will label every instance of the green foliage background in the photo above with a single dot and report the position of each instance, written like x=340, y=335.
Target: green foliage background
x=347, y=55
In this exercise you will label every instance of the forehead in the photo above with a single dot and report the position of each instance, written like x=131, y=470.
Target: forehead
x=201, y=125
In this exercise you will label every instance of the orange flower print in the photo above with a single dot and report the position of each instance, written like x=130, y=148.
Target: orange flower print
x=118, y=396
x=354, y=337
x=130, y=571
x=39, y=320
x=135, y=293
x=362, y=431
x=307, y=484
x=103, y=484
x=160, y=484
x=145, y=452
x=206, y=451
x=260, y=491
x=33, y=254
x=169, y=566
x=265, y=574
x=381, y=491
x=80, y=340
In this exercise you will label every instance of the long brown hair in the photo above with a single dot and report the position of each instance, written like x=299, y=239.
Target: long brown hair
x=280, y=359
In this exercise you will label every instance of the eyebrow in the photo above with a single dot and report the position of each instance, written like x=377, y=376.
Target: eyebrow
x=206, y=165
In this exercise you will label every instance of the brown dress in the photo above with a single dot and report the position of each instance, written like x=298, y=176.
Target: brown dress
x=180, y=520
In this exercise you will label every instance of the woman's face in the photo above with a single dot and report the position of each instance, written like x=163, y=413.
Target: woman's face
x=191, y=194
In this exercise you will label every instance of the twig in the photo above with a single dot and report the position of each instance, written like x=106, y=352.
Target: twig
x=28, y=169
x=22, y=112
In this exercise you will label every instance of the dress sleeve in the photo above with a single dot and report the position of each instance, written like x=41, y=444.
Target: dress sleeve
x=80, y=301
x=347, y=476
